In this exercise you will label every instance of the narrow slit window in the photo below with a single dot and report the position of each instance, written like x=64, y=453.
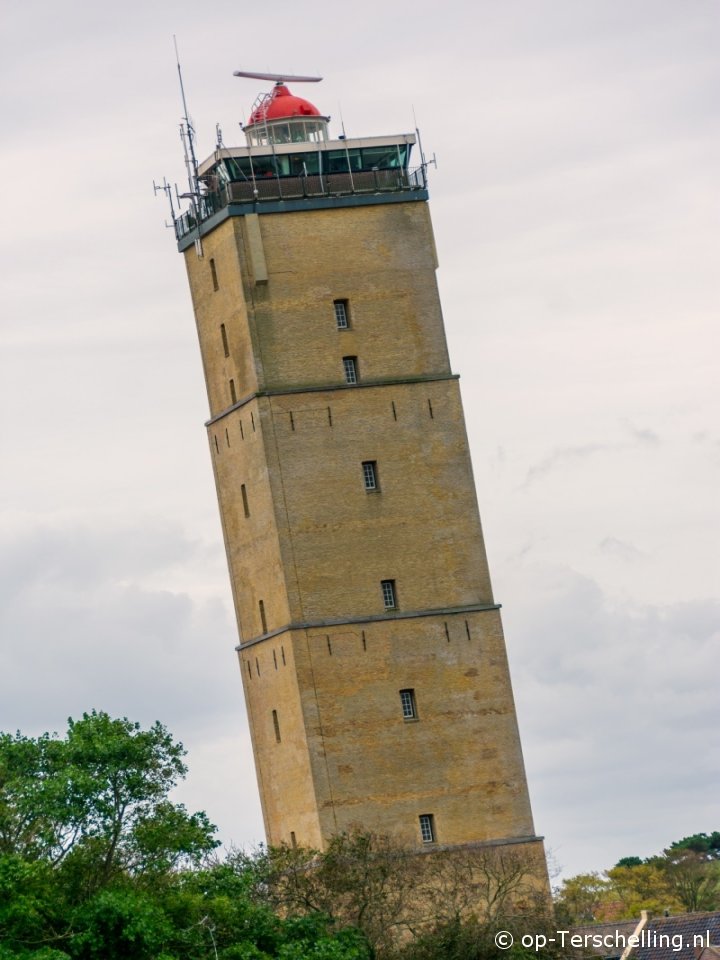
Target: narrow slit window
x=233, y=394
x=350, y=369
x=213, y=274
x=342, y=314
x=293, y=839
x=246, y=505
x=407, y=703
x=389, y=594
x=223, y=334
x=427, y=827
x=263, y=620
x=276, y=726
x=370, y=475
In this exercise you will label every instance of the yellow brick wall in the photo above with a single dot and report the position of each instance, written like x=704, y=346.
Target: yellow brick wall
x=316, y=544
x=460, y=760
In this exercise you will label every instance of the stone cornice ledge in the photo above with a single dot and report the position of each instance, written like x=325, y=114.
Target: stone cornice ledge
x=328, y=388
x=343, y=621
x=478, y=844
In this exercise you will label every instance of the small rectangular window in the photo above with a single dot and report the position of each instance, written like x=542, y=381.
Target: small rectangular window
x=213, y=273
x=233, y=394
x=263, y=621
x=223, y=335
x=388, y=594
x=407, y=702
x=427, y=828
x=370, y=474
x=350, y=369
x=276, y=726
x=246, y=505
x=342, y=314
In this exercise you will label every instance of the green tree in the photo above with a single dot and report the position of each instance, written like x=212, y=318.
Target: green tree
x=705, y=845
x=579, y=898
x=96, y=802
x=693, y=878
x=641, y=887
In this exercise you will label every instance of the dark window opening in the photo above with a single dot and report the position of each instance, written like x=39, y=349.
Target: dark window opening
x=243, y=494
x=407, y=702
x=223, y=334
x=388, y=594
x=342, y=314
x=213, y=273
x=427, y=827
x=370, y=475
x=276, y=725
x=263, y=621
x=233, y=395
x=350, y=369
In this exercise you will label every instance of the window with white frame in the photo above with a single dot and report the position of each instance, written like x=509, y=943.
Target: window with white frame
x=370, y=474
x=388, y=594
x=427, y=827
x=350, y=369
x=407, y=702
x=342, y=314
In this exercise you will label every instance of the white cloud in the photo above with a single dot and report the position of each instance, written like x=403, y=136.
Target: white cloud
x=576, y=148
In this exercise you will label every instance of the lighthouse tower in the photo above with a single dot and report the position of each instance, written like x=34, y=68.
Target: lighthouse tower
x=370, y=644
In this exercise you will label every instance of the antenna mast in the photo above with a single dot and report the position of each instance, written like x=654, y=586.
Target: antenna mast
x=188, y=130
x=187, y=135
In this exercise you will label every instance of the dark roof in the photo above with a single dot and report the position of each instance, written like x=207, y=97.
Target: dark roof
x=676, y=938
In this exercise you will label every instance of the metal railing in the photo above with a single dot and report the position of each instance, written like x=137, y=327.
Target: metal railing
x=266, y=189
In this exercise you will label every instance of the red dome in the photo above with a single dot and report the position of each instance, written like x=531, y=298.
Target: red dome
x=281, y=104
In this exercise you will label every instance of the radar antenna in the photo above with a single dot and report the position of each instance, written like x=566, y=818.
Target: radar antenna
x=277, y=77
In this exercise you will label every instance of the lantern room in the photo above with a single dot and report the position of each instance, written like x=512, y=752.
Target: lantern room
x=281, y=117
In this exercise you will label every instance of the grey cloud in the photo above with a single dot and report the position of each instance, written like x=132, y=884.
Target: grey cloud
x=81, y=630
x=620, y=549
x=612, y=695
x=563, y=456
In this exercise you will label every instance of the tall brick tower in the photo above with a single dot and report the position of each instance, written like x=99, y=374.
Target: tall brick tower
x=371, y=649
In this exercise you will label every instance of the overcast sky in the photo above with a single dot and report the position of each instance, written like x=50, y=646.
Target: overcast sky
x=575, y=205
